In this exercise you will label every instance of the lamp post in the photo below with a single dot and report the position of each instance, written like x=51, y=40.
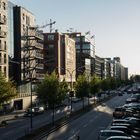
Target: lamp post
x=71, y=82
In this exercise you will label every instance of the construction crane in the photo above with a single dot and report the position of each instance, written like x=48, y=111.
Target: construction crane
x=48, y=24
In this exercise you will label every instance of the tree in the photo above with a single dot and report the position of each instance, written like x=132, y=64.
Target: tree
x=51, y=92
x=95, y=85
x=63, y=89
x=82, y=87
x=48, y=90
x=7, y=90
x=113, y=83
x=105, y=84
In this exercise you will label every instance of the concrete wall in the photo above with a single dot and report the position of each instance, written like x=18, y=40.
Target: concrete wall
x=24, y=101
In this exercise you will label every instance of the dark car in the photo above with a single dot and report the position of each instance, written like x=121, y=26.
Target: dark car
x=119, y=112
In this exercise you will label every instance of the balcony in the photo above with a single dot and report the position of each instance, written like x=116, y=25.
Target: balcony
x=39, y=36
x=3, y=34
x=39, y=76
x=2, y=48
x=40, y=66
x=2, y=21
x=39, y=45
x=38, y=55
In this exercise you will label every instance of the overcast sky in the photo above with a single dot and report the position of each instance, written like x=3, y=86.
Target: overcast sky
x=115, y=24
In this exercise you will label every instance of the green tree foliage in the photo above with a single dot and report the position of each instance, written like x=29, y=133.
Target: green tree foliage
x=105, y=84
x=113, y=83
x=7, y=90
x=51, y=91
x=63, y=89
x=82, y=86
x=95, y=85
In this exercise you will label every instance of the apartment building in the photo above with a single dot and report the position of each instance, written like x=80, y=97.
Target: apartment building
x=85, y=53
x=59, y=55
x=28, y=50
x=3, y=38
x=99, y=67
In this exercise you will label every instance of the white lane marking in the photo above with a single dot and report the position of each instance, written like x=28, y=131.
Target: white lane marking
x=85, y=125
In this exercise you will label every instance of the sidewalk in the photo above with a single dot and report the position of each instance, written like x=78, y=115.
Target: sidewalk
x=13, y=115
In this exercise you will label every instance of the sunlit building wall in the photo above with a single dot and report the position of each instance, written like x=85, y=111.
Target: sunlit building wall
x=4, y=37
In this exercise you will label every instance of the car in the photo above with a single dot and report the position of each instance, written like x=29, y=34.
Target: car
x=107, y=133
x=126, y=130
x=120, y=138
x=119, y=112
x=134, y=98
x=120, y=93
x=131, y=120
x=38, y=110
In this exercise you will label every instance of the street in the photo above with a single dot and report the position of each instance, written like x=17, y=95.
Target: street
x=100, y=117
x=88, y=125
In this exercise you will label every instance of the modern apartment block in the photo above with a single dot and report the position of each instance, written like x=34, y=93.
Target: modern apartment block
x=3, y=38
x=99, y=67
x=28, y=50
x=85, y=53
x=60, y=55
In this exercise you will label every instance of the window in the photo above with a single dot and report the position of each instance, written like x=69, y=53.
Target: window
x=50, y=37
x=0, y=45
x=27, y=20
x=4, y=58
x=5, y=71
x=23, y=16
x=4, y=5
x=5, y=46
x=4, y=18
x=0, y=58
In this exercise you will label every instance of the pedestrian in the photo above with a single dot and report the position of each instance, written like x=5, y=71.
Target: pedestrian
x=78, y=137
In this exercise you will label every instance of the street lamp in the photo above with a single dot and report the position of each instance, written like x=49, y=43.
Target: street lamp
x=71, y=82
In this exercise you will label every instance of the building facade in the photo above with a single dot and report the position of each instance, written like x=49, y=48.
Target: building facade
x=4, y=38
x=59, y=55
x=85, y=53
x=28, y=50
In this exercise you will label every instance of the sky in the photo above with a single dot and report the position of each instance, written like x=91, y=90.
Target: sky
x=114, y=23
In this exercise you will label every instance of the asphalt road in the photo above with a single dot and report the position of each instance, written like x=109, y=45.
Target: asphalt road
x=19, y=127
x=88, y=125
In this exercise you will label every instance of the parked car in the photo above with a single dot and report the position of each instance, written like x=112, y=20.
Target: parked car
x=119, y=112
x=38, y=110
x=120, y=93
x=134, y=98
x=131, y=120
x=107, y=133
x=126, y=130
x=120, y=138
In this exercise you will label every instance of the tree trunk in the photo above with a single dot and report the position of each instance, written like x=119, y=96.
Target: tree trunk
x=83, y=102
x=53, y=114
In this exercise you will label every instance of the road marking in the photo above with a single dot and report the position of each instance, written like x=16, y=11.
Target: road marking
x=85, y=125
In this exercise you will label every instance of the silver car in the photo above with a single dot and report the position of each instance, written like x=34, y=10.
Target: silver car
x=104, y=134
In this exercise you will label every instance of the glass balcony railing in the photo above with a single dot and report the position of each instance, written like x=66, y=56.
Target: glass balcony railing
x=3, y=34
x=2, y=20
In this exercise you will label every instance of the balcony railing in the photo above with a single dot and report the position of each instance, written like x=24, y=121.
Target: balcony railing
x=2, y=20
x=2, y=48
x=38, y=36
x=3, y=34
x=38, y=55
